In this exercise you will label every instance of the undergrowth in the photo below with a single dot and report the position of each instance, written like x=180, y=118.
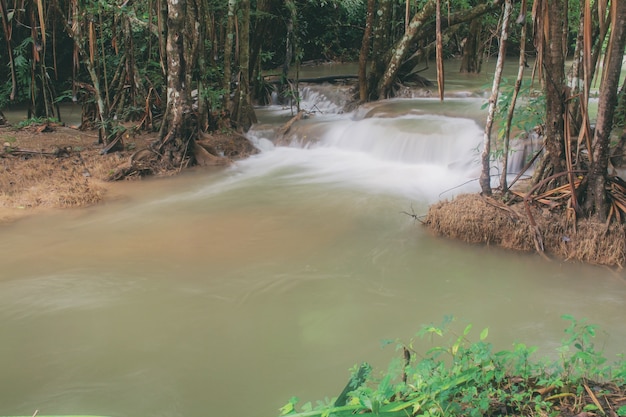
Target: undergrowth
x=465, y=378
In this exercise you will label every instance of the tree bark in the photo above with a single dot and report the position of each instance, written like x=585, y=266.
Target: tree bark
x=439, y=51
x=552, y=20
x=365, y=49
x=7, y=38
x=228, y=52
x=509, y=117
x=596, y=199
x=472, y=59
x=243, y=113
x=262, y=25
x=176, y=130
x=419, y=26
x=380, y=44
x=485, y=176
x=401, y=49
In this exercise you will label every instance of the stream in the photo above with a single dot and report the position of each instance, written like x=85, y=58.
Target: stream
x=226, y=293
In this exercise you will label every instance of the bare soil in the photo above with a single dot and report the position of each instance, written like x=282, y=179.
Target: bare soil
x=52, y=166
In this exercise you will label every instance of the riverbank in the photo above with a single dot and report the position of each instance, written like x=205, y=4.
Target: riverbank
x=479, y=220
x=50, y=166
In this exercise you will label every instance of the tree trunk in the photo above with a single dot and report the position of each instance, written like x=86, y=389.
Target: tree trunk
x=596, y=199
x=365, y=50
x=228, y=52
x=575, y=75
x=472, y=49
x=380, y=44
x=176, y=130
x=418, y=27
x=485, y=176
x=439, y=51
x=509, y=117
x=401, y=50
x=262, y=26
x=6, y=29
x=243, y=113
x=552, y=20
x=76, y=32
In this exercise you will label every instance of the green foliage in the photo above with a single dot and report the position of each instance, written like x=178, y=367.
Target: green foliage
x=36, y=121
x=583, y=361
x=462, y=377
x=530, y=108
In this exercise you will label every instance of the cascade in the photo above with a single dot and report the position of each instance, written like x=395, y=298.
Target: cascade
x=390, y=146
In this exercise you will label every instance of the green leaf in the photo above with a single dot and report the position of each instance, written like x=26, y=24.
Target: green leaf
x=484, y=333
x=621, y=411
x=289, y=407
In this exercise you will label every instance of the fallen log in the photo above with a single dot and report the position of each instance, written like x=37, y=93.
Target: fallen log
x=315, y=80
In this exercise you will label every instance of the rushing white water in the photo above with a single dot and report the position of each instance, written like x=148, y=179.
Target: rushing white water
x=416, y=156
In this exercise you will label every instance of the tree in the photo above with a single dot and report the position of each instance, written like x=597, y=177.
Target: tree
x=550, y=41
x=485, y=176
x=596, y=198
x=365, y=49
x=243, y=115
x=177, y=128
x=472, y=59
x=380, y=47
x=389, y=60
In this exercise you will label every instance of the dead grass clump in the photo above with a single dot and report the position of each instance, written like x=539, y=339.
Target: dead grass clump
x=47, y=182
x=474, y=219
x=52, y=166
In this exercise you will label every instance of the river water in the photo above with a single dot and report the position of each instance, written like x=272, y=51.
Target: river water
x=226, y=293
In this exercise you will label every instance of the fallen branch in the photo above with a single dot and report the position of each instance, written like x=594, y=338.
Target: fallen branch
x=415, y=216
x=287, y=126
x=58, y=152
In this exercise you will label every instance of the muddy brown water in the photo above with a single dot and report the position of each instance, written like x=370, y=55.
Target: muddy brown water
x=228, y=293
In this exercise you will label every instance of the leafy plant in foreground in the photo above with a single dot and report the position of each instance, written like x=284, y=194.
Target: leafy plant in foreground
x=465, y=378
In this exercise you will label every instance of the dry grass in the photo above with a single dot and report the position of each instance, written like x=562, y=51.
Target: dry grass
x=54, y=169
x=474, y=219
x=47, y=166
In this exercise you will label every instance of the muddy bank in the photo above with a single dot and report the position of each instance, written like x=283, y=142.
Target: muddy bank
x=56, y=167
x=478, y=220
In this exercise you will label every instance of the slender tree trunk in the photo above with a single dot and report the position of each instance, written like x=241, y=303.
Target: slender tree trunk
x=365, y=50
x=439, y=51
x=176, y=132
x=228, y=52
x=485, y=176
x=472, y=51
x=401, y=49
x=243, y=113
x=596, y=201
x=575, y=76
x=7, y=38
x=262, y=26
x=162, y=25
x=396, y=59
x=552, y=19
x=518, y=84
x=380, y=44
x=76, y=32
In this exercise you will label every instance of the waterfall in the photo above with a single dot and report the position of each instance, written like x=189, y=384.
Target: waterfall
x=417, y=154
